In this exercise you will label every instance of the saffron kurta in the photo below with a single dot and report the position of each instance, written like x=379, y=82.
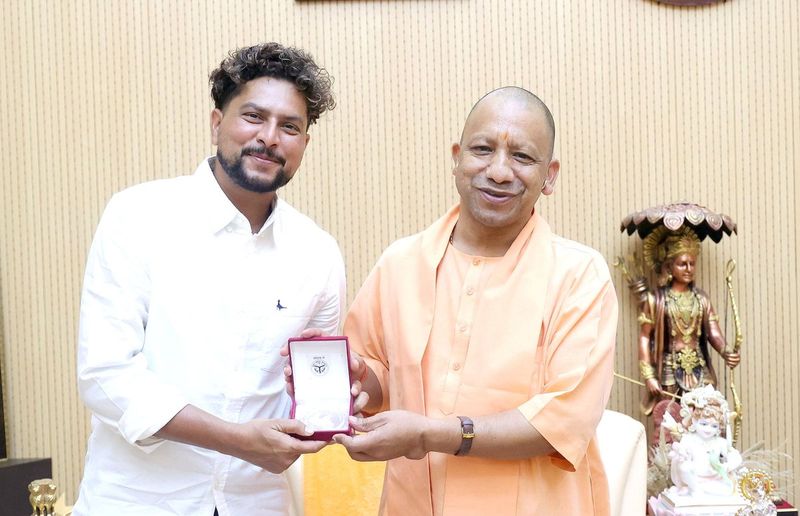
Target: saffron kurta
x=533, y=330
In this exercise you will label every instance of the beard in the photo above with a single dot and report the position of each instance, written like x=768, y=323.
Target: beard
x=235, y=170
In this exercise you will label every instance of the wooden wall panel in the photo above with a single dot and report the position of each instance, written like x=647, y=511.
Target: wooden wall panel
x=652, y=104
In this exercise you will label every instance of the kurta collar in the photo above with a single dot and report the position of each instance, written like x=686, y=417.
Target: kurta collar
x=437, y=236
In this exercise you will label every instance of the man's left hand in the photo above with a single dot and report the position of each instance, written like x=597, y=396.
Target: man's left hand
x=388, y=435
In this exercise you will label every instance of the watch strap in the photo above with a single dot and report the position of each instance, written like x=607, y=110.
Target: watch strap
x=467, y=435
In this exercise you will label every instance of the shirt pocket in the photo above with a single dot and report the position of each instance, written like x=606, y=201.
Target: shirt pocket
x=274, y=329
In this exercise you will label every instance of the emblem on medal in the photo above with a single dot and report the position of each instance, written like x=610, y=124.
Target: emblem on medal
x=319, y=366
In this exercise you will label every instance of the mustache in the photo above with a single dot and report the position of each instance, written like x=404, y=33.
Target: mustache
x=266, y=151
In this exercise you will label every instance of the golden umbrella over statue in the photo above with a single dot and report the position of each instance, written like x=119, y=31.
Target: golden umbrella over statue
x=672, y=233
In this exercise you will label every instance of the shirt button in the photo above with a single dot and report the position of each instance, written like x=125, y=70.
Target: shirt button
x=476, y=261
x=462, y=328
x=470, y=291
x=456, y=366
x=229, y=229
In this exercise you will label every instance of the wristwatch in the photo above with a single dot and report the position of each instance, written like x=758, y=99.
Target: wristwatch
x=467, y=435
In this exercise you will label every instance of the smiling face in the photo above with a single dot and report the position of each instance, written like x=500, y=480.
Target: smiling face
x=503, y=162
x=261, y=134
x=707, y=428
x=682, y=268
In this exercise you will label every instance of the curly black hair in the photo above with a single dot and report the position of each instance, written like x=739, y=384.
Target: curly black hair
x=273, y=60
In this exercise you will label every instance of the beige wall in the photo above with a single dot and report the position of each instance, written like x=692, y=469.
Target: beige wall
x=652, y=103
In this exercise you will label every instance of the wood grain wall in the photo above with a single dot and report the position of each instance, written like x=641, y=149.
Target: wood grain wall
x=652, y=103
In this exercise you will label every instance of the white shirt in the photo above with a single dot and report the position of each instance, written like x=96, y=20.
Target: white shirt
x=183, y=305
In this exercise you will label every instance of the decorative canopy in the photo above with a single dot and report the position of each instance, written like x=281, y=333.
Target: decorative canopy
x=700, y=219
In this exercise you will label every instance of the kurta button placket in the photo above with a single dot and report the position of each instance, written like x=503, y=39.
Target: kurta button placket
x=466, y=306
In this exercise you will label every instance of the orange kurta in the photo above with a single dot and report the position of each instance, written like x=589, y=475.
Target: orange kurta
x=536, y=333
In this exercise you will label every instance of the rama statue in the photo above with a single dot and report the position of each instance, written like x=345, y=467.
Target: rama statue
x=678, y=326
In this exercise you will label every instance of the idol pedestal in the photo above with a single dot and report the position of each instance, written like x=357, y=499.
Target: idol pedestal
x=670, y=503
x=15, y=475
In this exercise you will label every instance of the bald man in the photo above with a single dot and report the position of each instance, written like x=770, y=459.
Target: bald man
x=489, y=340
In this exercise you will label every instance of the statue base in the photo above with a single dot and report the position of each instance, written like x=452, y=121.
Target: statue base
x=670, y=503
x=15, y=475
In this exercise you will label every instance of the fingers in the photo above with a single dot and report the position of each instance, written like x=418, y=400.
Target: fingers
x=285, y=351
x=358, y=366
x=355, y=447
x=343, y=439
x=360, y=397
x=291, y=426
x=310, y=333
x=287, y=377
x=305, y=447
x=270, y=446
x=368, y=447
x=360, y=402
x=355, y=389
x=363, y=424
x=298, y=446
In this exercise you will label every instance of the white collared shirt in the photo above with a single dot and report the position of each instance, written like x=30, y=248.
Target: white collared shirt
x=182, y=304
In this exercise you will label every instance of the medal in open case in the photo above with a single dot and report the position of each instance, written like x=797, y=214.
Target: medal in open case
x=321, y=375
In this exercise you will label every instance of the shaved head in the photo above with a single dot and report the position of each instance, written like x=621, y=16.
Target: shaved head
x=504, y=162
x=526, y=100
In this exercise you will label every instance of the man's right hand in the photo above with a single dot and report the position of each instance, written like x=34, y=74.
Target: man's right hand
x=266, y=443
x=263, y=442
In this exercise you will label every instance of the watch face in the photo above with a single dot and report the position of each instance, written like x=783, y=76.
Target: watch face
x=690, y=3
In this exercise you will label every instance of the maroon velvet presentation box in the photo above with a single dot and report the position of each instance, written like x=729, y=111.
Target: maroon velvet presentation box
x=321, y=376
x=784, y=508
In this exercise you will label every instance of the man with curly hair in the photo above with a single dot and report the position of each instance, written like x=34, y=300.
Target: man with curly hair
x=192, y=286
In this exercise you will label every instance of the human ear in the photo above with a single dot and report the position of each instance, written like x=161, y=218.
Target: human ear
x=549, y=185
x=456, y=152
x=216, y=119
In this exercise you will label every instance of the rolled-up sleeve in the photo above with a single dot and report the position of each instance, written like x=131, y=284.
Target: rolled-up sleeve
x=328, y=316
x=113, y=377
x=578, y=364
